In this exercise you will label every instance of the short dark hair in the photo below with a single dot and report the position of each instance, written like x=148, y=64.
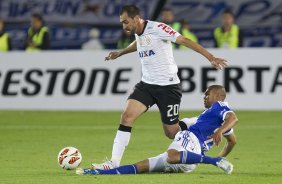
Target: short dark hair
x=38, y=17
x=167, y=9
x=228, y=11
x=219, y=89
x=131, y=10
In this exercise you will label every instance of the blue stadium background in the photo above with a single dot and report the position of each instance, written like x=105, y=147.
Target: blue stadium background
x=71, y=20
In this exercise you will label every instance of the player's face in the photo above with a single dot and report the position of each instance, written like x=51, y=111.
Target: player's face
x=128, y=23
x=167, y=17
x=35, y=23
x=209, y=98
x=227, y=19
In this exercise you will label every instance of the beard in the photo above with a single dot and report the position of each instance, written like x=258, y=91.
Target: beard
x=131, y=31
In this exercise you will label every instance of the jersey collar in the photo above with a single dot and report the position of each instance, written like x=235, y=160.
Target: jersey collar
x=145, y=24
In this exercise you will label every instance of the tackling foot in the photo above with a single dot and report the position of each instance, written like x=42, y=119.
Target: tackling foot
x=225, y=165
x=86, y=171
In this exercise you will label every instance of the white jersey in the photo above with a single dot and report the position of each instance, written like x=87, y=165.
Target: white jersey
x=155, y=51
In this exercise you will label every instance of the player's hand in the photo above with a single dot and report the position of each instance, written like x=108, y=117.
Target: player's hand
x=218, y=63
x=112, y=55
x=217, y=137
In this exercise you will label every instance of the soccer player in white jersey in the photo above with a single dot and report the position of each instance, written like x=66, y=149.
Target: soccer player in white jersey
x=189, y=146
x=159, y=85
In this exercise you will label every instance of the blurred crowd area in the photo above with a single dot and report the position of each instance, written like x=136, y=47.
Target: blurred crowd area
x=94, y=24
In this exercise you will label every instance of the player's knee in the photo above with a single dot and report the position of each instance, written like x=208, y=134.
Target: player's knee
x=127, y=118
x=173, y=156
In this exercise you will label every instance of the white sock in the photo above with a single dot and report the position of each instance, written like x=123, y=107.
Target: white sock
x=158, y=163
x=120, y=142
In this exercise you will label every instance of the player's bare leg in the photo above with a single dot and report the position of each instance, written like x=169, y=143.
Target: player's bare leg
x=171, y=130
x=143, y=166
x=138, y=168
x=132, y=111
x=153, y=164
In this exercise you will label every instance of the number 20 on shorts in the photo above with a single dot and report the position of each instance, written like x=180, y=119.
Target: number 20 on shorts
x=172, y=110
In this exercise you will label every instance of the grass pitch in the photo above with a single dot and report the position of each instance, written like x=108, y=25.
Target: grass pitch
x=31, y=140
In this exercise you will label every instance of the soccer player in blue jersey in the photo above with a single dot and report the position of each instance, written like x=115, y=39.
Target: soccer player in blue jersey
x=189, y=146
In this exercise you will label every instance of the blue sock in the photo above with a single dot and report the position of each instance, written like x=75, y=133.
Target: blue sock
x=211, y=160
x=126, y=169
x=187, y=157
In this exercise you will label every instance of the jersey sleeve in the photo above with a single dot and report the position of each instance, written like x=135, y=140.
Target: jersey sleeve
x=228, y=132
x=165, y=32
x=220, y=109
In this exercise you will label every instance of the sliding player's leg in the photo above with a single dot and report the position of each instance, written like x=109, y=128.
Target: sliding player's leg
x=160, y=164
x=138, y=168
x=154, y=164
x=192, y=154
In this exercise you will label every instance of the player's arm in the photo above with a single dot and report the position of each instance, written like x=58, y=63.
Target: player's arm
x=113, y=55
x=229, y=145
x=230, y=121
x=218, y=63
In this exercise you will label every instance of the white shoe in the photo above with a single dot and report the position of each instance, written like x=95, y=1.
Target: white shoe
x=85, y=171
x=107, y=165
x=225, y=165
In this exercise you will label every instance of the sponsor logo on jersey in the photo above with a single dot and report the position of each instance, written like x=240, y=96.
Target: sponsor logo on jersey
x=167, y=29
x=145, y=40
x=146, y=53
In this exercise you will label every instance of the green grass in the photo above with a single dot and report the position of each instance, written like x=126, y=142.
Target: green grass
x=31, y=140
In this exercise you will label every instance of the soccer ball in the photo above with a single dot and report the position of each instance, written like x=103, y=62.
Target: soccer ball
x=69, y=158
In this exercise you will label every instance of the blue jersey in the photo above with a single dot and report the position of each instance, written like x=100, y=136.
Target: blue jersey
x=210, y=120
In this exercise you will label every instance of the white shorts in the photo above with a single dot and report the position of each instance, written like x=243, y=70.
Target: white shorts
x=184, y=141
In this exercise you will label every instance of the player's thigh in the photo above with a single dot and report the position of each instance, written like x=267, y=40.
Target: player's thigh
x=186, y=141
x=168, y=100
x=138, y=102
x=141, y=93
x=133, y=110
